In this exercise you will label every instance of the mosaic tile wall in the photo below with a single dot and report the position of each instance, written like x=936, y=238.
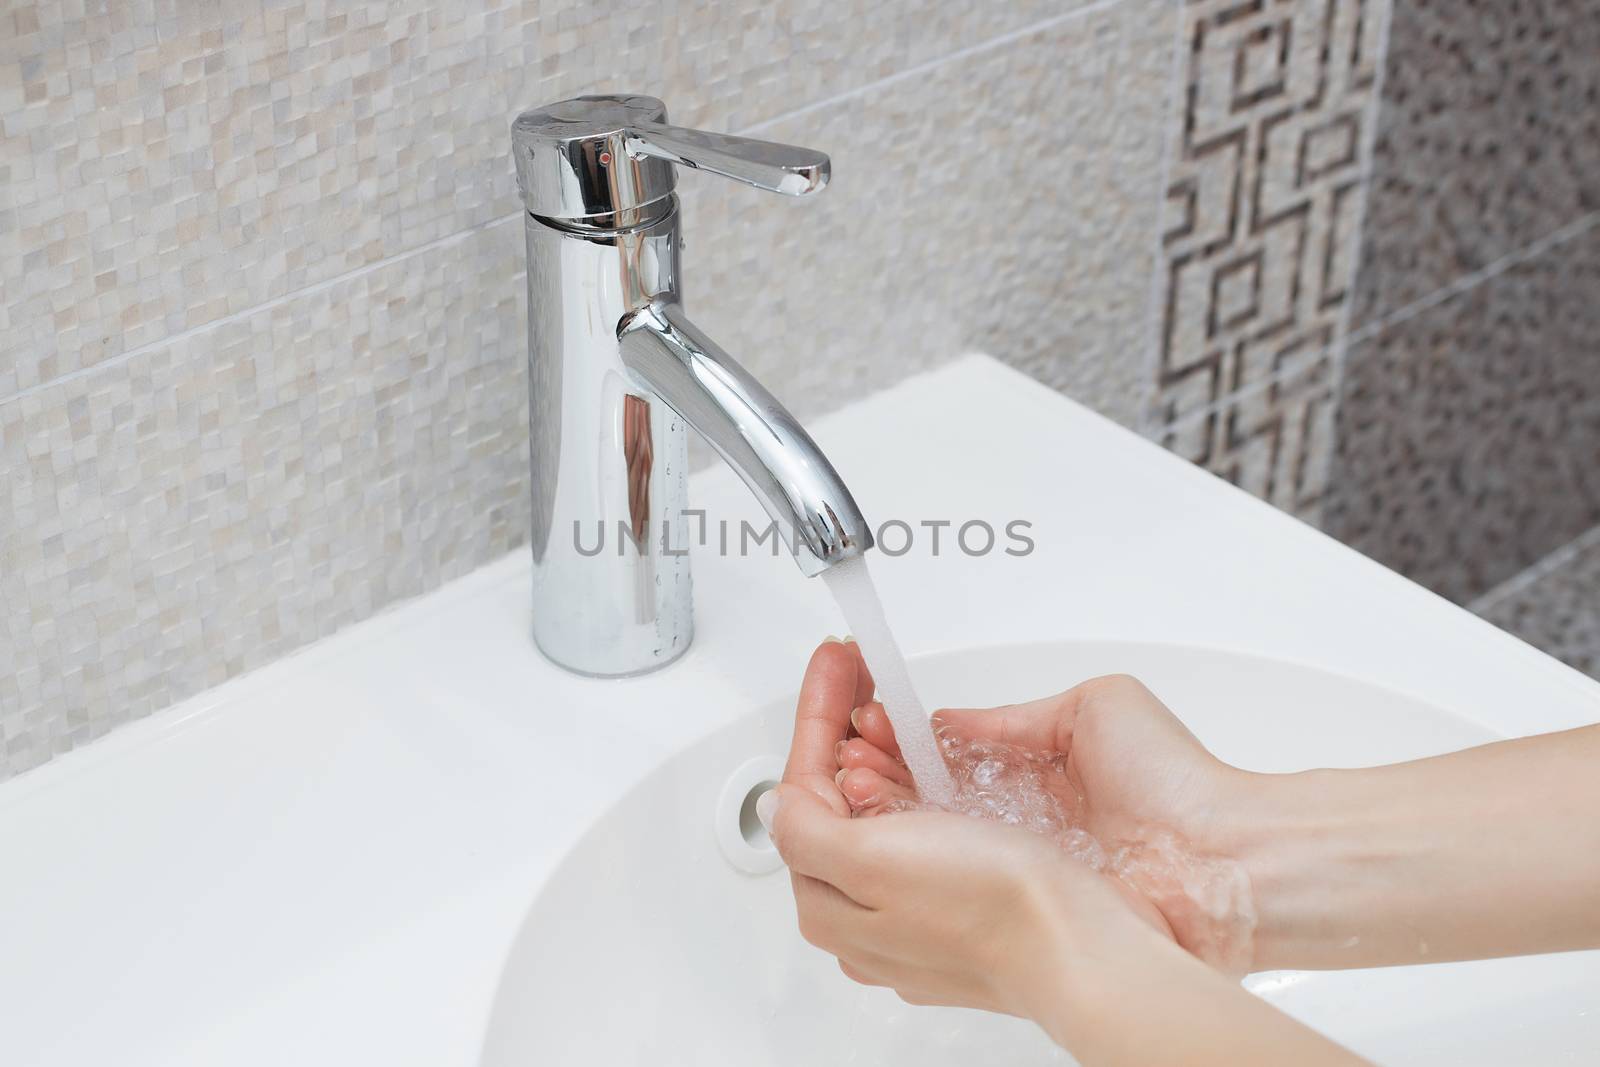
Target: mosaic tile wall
x=261, y=333
x=262, y=360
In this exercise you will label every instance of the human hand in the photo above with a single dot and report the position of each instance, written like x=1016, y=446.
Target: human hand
x=951, y=910
x=941, y=907
x=1156, y=803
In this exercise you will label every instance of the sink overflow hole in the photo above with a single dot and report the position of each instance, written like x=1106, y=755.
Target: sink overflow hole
x=750, y=828
x=741, y=838
x=740, y=832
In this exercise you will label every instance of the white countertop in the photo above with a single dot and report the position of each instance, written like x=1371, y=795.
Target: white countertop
x=326, y=861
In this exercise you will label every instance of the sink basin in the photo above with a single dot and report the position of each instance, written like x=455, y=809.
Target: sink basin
x=653, y=942
x=419, y=844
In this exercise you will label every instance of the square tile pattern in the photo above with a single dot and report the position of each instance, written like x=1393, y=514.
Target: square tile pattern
x=1264, y=195
x=1276, y=441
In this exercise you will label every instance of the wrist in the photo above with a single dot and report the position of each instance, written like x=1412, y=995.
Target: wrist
x=1087, y=952
x=1311, y=846
x=1106, y=978
x=1419, y=862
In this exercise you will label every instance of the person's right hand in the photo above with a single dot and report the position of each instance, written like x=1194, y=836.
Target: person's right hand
x=1134, y=777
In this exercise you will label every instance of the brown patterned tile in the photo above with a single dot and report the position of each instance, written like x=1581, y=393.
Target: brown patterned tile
x=1489, y=139
x=1275, y=441
x=1264, y=192
x=1559, y=612
x=1468, y=436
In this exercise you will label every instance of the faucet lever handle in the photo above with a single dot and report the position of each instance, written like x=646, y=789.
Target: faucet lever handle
x=607, y=161
x=778, y=168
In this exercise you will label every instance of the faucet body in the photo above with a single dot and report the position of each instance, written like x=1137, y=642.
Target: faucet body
x=617, y=377
x=611, y=585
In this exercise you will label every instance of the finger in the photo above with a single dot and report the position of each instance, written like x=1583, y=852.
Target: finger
x=862, y=753
x=861, y=977
x=873, y=968
x=941, y=996
x=872, y=723
x=867, y=791
x=822, y=720
x=813, y=838
x=912, y=984
x=1047, y=725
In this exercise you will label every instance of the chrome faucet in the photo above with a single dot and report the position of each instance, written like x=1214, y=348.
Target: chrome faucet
x=617, y=373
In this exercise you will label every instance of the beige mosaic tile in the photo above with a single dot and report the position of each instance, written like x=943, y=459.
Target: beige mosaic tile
x=1005, y=202
x=163, y=164
x=189, y=513
x=209, y=502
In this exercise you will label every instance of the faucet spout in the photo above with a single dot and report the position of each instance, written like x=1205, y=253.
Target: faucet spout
x=764, y=444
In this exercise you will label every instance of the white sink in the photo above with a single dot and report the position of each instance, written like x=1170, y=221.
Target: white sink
x=406, y=846
x=649, y=946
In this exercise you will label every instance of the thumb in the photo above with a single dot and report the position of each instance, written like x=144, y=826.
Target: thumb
x=812, y=838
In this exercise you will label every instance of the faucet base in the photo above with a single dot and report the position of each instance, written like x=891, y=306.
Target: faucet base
x=685, y=642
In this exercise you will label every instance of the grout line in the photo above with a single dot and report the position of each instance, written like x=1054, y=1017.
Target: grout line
x=1461, y=285
x=1523, y=579
x=1467, y=282
x=989, y=45
x=255, y=309
x=959, y=54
